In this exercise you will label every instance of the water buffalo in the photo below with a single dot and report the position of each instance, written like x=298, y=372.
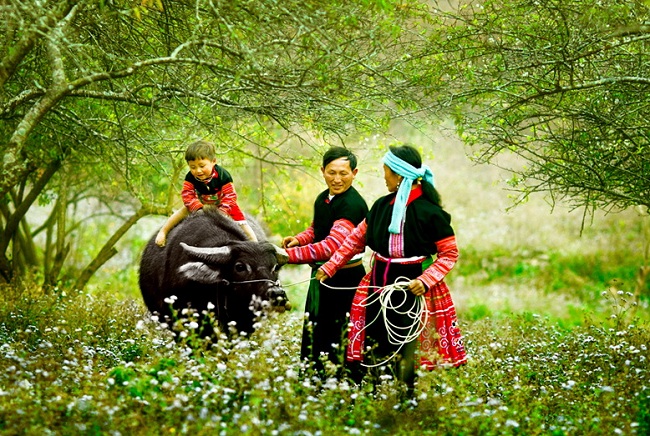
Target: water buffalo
x=209, y=265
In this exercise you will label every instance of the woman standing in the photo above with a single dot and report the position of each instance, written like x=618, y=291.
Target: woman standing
x=404, y=229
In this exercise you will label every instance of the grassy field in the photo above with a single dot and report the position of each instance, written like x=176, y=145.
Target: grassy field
x=555, y=322
x=81, y=364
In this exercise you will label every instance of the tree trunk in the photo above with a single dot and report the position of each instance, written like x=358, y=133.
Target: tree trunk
x=14, y=219
x=108, y=250
x=61, y=247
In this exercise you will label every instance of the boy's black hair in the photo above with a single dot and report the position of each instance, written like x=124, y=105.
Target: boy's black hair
x=200, y=149
x=411, y=155
x=338, y=152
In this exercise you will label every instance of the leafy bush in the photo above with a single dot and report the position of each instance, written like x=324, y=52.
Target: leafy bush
x=88, y=364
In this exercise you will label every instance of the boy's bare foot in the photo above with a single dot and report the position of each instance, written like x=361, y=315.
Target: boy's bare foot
x=161, y=239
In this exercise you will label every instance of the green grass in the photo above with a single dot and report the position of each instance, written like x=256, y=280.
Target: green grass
x=555, y=341
x=74, y=363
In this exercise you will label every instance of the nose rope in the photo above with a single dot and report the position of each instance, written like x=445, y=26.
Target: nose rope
x=276, y=282
x=298, y=283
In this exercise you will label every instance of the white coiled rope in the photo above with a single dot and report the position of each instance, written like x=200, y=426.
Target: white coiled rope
x=396, y=335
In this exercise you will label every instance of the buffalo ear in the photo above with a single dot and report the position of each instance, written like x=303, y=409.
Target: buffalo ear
x=200, y=272
x=216, y=255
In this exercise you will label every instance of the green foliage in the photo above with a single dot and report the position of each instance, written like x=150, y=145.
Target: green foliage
x=644, y=415
x=289, y=210
x=563, y=85
x=76, y=364
x=478, y=311
x=584, y=274
x=98, y=125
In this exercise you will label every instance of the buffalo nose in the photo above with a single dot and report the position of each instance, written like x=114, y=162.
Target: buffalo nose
x=279, y=299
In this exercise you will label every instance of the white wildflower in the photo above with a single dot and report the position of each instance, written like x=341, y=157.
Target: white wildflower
x=512, y=423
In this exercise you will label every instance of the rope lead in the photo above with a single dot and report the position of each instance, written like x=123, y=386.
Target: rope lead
x=396, y=335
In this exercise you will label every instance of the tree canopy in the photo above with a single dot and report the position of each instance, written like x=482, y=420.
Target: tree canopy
x=98, y=97
x=563, y=84
x=93, y=94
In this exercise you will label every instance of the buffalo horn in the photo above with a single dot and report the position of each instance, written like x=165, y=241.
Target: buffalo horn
x=209, y=254
x=281, y=255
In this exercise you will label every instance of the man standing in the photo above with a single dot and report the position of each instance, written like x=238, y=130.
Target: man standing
x=337, y=211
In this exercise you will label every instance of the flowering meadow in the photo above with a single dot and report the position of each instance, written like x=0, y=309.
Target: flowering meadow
x=554, y=315
x=75, y=363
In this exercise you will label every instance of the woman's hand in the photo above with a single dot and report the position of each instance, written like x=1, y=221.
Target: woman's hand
x=320, y=275
x=417, y=287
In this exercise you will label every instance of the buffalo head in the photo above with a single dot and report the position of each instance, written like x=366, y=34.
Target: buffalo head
x=247, y=268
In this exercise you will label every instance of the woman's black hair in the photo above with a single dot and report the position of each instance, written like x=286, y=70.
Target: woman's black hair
x=338, y=152
x=410, y=155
